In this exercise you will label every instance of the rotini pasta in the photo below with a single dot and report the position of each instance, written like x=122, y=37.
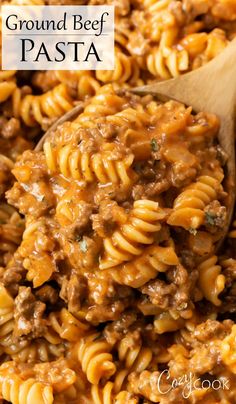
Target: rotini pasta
x=126, y=70
x=71, y=162
x=16, y=390
x=35, y=252
x=130, y=116
x=140, y=270
x=134, y=355
x=211, y=281
x=106, y=102
x=39, y=351
x=83, y=81
x=189, y=205
x=164, y=322
x=95, y=357
x=7, y=316
x=34, y=108
x=66, y=326
x=144, y=219
x=172, y=65
x=103, y=395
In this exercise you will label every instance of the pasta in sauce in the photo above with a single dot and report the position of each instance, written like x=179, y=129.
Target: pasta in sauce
x=111, y=291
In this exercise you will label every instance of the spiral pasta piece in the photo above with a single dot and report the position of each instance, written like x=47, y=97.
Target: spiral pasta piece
x=84, y=81
x=36, y=351
x=96, y=360
x=105, y=102
x=6, y=316
x=71, y=162
x=165, y=60
x=112, y=391
x=66, y=326
x=164, y=322
x=189, y=205
x=202, y=47
x=102, y=395
x=106, y=395
x=158, y=19
x=119, y=379
x=35, y=251
x=126, y=242
x=173, y=56
x=34, y=108
x=172, y=65
x=144, y=268
x=211, y=281
x=40, y=268
x=135, y=356
x=126, y=70
x=18, y=391
x=130, y=116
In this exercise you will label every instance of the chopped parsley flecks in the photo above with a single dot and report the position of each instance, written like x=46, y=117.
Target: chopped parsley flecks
x=154, y=145
x=210, y=218
x=83, y=245
x=192, y=231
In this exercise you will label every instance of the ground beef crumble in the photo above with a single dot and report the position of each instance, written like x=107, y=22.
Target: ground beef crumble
x=28, y=314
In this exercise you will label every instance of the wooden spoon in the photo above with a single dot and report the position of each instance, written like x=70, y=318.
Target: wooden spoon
x=211, y=88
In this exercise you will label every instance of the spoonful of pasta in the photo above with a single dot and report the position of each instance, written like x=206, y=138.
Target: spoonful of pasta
x=211, y=88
